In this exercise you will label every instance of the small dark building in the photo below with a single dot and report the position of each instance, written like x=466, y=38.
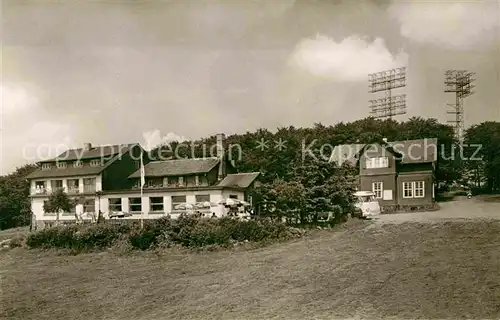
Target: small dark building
x=401, y=174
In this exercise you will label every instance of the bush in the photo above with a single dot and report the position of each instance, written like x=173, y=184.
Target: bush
x=98, y=236
x=77, y=237
x=55, y=237
x=185, y=231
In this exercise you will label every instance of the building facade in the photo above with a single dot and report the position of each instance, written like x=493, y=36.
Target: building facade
x=107, y=179
x=401, y=174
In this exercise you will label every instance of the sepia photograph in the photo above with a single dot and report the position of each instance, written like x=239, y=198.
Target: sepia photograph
x=249, y=159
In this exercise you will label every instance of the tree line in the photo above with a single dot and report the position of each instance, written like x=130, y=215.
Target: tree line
x=294, y=179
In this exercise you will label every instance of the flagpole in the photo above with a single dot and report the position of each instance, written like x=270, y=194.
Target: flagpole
x=142, y=213
x=143, y=178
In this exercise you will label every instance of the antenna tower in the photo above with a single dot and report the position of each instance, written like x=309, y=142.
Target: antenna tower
x=386, y=81
x=460, y=83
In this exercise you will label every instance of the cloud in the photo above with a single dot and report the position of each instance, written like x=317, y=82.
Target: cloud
x=154, y=138
x=34, y=141
x=46, y=140
x=26, y=136
x=16, y=99
x=458, y=25
x=352, y=59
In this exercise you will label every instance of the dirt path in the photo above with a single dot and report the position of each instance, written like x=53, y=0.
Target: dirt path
x=461, y=209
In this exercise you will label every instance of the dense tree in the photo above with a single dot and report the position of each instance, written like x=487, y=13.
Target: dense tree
x=485, y=139
x=315, y=187
x=15, y=205
x=58, y=203
x=261, y=150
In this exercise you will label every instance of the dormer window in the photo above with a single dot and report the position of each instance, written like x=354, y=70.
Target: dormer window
x=379, y=162
x=180, y=182
x=46, y=166
x=77, y=164
x=95, y=163
x=61, y=165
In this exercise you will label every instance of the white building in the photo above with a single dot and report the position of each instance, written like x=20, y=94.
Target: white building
x=107, y=179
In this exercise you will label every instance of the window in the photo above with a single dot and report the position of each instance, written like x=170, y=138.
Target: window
x=191, y=181
x=56, y=185
x=61, y=165
x=156, y=204
x=95, y=162
x=414, y=189
x=89, y=185
x=177, y=200
x=407, y=189
x=180, y=182
x=40, y=187
x=89, y=205
x=202, y=181
x=202, y=198
x=379, y=162
x=77, y=164
x=378, y=188
x=115, y=204
x=135, y=205
x=419, y=189
x=233, y=196
x=46, y=166
x=73, y=186
x=154, y=183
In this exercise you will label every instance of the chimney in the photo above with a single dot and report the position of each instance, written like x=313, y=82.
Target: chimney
x=220, y=154
x=87, y=146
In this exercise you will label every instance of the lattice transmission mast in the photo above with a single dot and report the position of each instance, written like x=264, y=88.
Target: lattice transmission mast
x=460, y=83
x=387, y=81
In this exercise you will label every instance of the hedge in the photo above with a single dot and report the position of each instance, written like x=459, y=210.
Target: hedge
x=186, y=231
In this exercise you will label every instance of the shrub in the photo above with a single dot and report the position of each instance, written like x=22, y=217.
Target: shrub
x=185, y=231
x=77, y=237
x=55, y=237
x=258, y=230
x=98, y=236
x=143, y=239
x=150, y=235
x=207, y=232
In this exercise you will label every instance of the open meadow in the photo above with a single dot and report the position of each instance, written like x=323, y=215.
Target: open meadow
x=364, y=269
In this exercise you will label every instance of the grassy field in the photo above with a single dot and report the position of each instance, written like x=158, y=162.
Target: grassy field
x=364, y=270
x=12, y=233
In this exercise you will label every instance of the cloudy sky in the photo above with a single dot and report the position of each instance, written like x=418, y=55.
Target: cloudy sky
x=111, y=72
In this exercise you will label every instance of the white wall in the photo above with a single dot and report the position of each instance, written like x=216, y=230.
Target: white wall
x=215, y=196
x=98, y=183
x=103, y=204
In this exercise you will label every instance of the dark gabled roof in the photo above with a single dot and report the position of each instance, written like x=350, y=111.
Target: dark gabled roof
x=239, y=180
x=346, y=152
x=410, y=151
x=66, y=172
x=417, y=151
x=177, y=167
x=70, y=171
x=93, y=153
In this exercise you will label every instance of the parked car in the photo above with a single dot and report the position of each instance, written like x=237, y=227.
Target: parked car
x=367, y=203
